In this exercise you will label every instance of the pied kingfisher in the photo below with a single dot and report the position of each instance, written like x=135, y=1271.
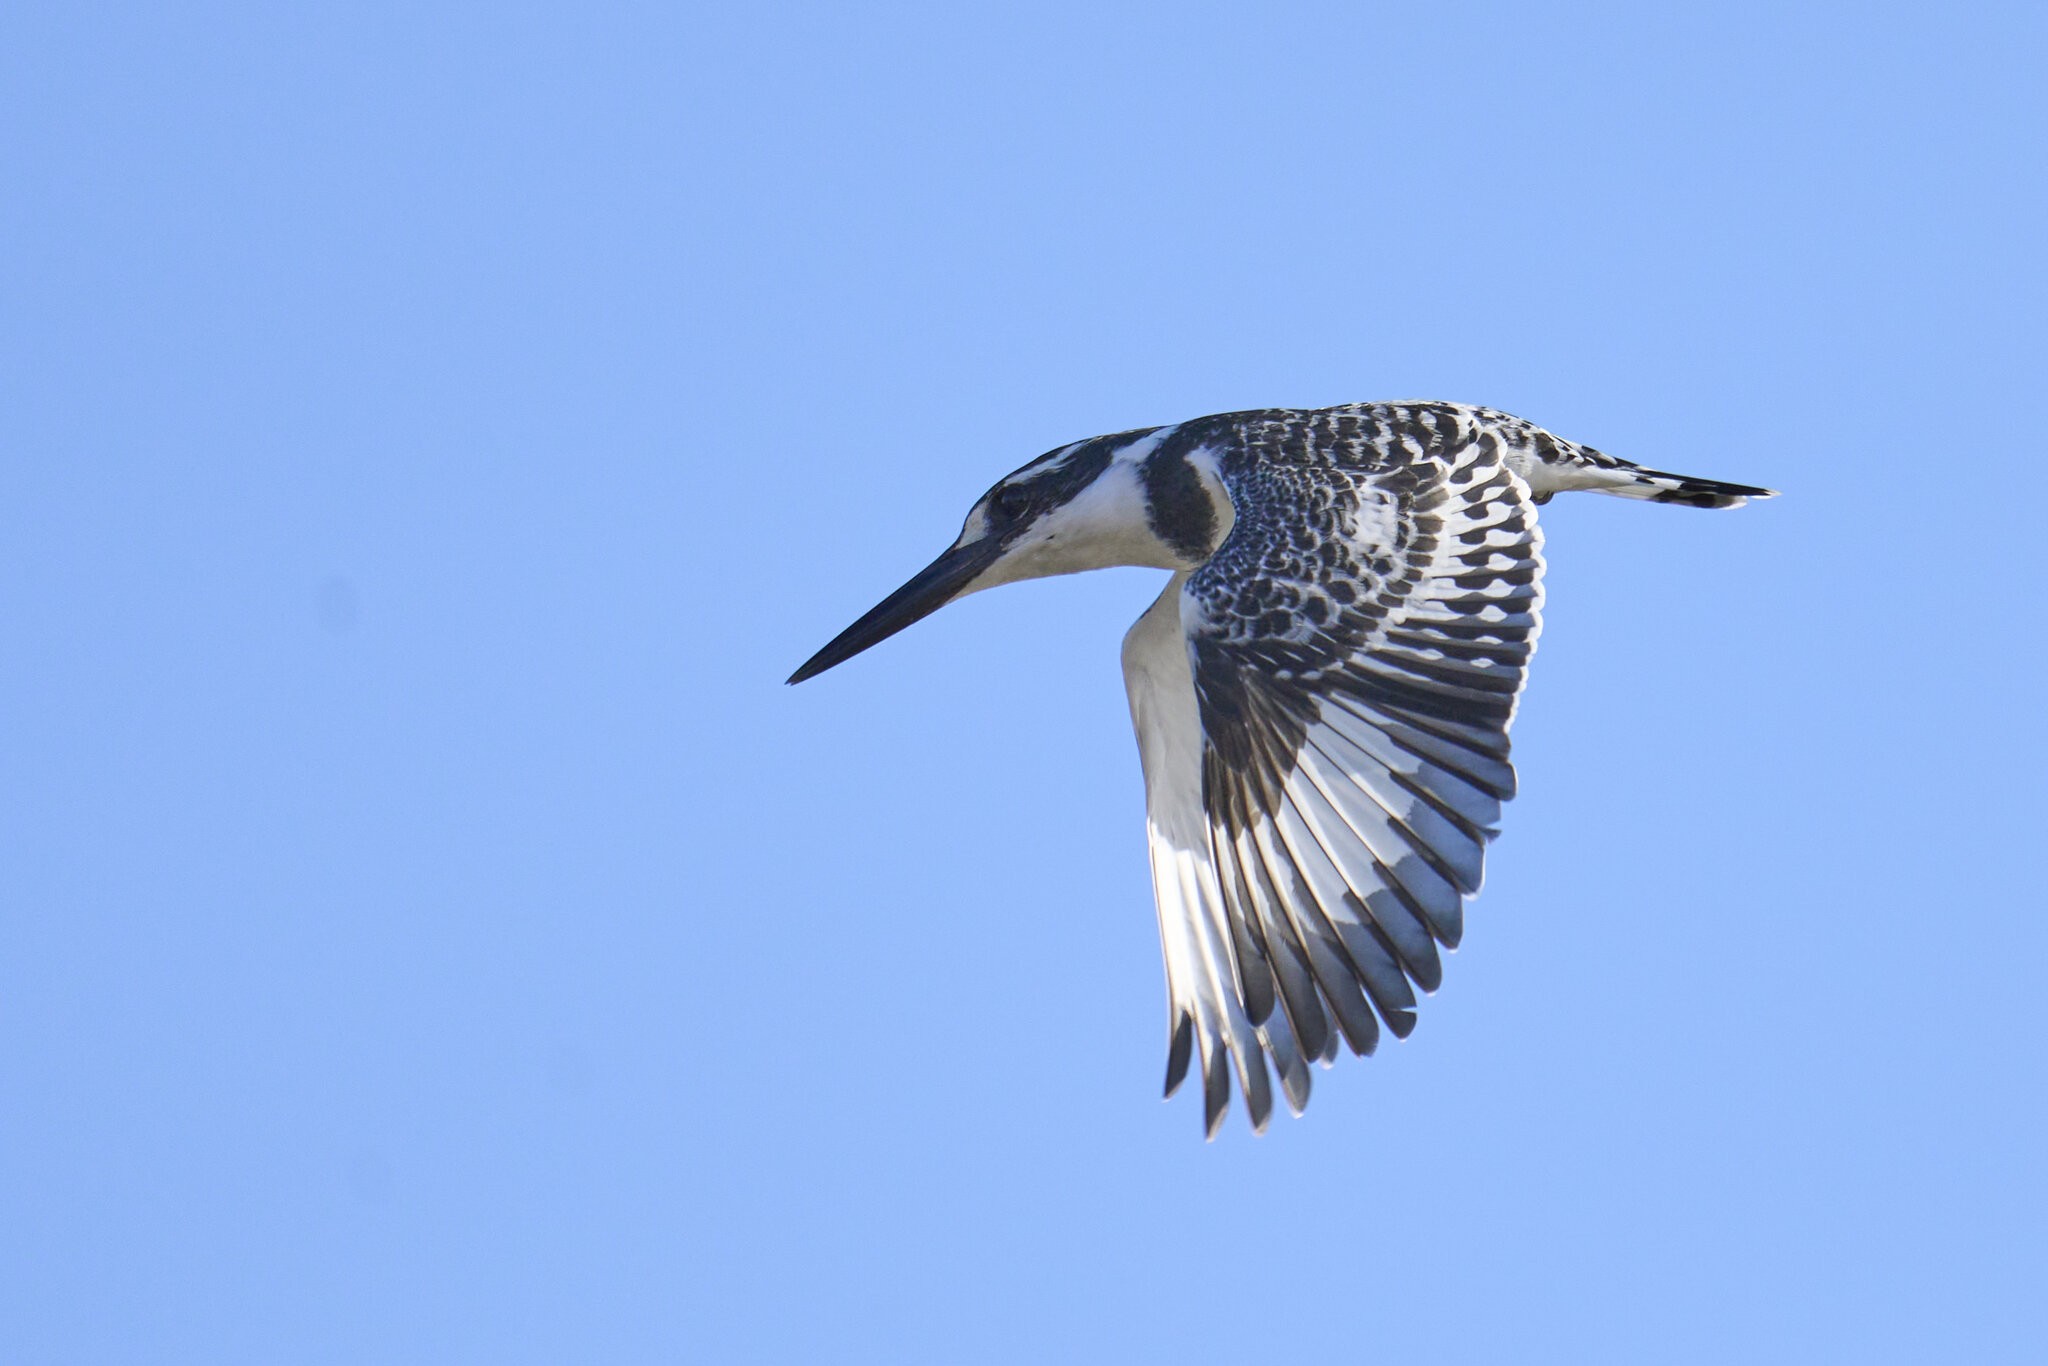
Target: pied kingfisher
x=1322, y=693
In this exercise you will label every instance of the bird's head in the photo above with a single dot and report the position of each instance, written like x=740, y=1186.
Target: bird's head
x=1083, y=506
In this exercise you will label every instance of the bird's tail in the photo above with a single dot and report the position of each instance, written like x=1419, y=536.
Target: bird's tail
x=1633, y=481
x=1553, y=465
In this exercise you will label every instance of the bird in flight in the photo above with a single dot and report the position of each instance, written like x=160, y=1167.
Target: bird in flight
x=1321, y=694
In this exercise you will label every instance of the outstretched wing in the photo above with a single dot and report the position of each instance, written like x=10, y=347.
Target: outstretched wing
x=1355, y=648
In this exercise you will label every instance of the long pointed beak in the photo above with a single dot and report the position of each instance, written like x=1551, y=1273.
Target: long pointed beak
x=936, y=585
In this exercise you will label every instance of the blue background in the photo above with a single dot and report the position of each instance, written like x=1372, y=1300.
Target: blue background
x=429, y=932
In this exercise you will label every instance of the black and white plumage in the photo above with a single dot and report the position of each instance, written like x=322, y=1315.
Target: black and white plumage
x=1321, y=695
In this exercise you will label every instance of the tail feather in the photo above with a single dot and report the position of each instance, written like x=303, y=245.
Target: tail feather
x=1660, y=487
x=1553, y=465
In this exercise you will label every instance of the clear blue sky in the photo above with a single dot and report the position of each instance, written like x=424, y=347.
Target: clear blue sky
x=430, y=932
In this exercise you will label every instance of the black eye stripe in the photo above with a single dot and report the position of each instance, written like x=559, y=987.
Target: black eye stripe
x=1009, y=503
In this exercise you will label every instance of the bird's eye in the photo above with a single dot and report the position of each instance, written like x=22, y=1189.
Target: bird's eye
x=1012, y=501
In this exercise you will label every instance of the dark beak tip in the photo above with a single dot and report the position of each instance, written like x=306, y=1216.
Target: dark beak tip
x=831, y=657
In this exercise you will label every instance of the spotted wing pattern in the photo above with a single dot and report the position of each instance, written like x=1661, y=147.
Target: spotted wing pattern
x=1357, y=643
